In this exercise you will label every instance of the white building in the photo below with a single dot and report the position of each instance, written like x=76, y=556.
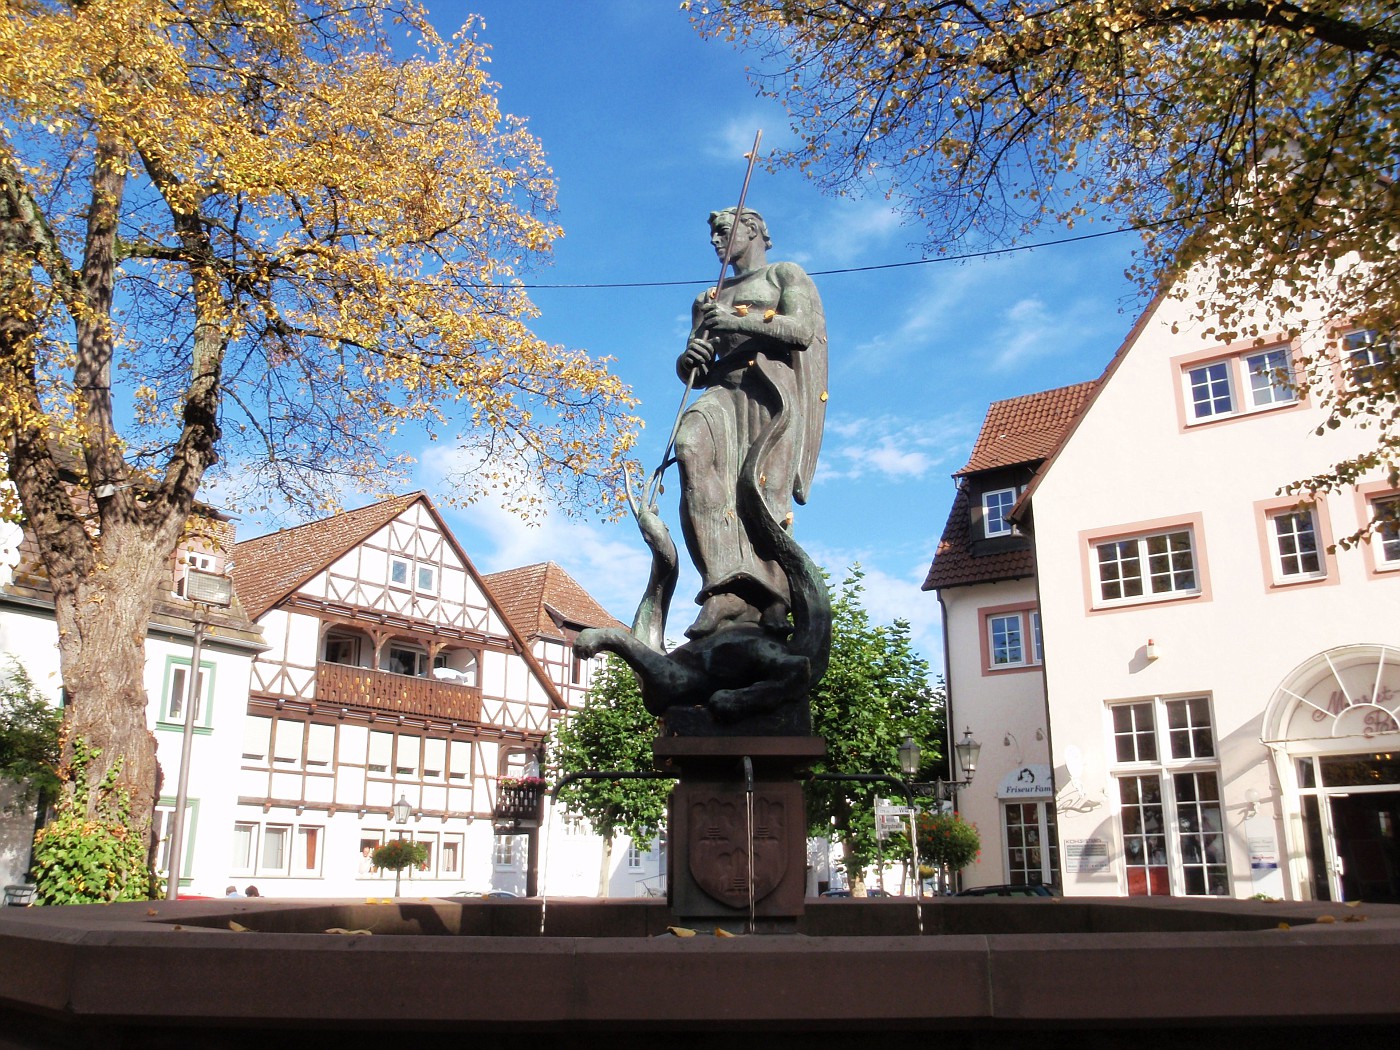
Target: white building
x=984, y=573
x=227, y=645
x=1222, y=688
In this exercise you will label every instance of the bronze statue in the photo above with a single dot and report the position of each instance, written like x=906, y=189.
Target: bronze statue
x=746, y=449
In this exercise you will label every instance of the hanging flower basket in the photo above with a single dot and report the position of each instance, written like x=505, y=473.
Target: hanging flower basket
x=947, y=839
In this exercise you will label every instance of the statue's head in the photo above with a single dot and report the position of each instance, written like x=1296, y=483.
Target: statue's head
x=750, y=218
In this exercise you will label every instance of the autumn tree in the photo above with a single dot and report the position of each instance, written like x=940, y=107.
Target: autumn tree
x=612, y=731
x=1258, y=138
x=876, y=691
x=248, y=242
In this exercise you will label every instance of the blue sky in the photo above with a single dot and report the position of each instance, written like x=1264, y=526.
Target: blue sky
x=645, y=126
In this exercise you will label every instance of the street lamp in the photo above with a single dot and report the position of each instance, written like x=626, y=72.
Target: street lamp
x=909, y=757
x=969, y=750
x=400, y=809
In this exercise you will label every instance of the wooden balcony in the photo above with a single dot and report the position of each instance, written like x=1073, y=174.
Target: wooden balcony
x=339, y=684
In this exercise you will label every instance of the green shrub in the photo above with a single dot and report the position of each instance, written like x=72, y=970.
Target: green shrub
x=82, y=859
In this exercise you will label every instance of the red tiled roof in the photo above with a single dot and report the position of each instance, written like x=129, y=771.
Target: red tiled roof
x=954, y=564
x=268, y=568
x=1027, y=428
x=527, y=594
x=1019, y=430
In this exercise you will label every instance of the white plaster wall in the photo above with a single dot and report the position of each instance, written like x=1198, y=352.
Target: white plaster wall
x=991, y=705
x=1129, y=461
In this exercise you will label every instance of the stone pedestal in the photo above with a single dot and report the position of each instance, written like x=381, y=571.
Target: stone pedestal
x=719, y=829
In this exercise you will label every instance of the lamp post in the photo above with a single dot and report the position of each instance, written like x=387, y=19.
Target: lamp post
x=909, y=763
x=401, y=810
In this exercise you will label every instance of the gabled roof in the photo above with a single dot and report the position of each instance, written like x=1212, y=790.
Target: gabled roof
x=955, y=564
x=1026, y=429
x=268, y=568
x=1020, y=431
x=538, y=598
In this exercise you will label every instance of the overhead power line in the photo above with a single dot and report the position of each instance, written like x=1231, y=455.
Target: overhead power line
x=965, y=257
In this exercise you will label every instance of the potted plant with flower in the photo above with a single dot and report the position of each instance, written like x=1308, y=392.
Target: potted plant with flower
x=398, y=854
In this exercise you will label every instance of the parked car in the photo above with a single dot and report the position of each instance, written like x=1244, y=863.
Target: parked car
x=1006, y=891
x=847, y=893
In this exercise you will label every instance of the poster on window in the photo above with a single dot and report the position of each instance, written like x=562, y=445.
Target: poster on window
x=1025, y=782
x=1262, y=844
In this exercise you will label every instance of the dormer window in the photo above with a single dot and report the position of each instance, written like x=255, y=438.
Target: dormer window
x=996, y=505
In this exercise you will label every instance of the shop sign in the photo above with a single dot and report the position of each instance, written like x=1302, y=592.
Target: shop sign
x=1026, y=782
x=1086, y=855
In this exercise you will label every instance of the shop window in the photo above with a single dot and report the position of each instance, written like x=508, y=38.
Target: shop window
x=1170, y=813
x=1031, y=845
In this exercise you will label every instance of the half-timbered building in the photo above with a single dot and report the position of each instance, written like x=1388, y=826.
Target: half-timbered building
x=391, y=675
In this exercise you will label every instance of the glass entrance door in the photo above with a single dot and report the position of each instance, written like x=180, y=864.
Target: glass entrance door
x=1364, y=830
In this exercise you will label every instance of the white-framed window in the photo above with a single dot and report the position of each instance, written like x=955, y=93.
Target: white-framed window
x=1231, y=385
x=306, y=858
x=1011, y=638
x=1007, y=640
x=1270, y=375
x=245, y=847
x=1137, y=568
x=1386, y=512
x=1296, y=553
x=635, y=854
x=1032, y=857
x=286, y=743
x=405, y=660
x=407, y=755
x=320, y=745
x=276, y=849
x=177, y=692
x=450, y=865
x=163, y=828
x=1366, y=351
x=257, y=739
x=505, y=854
x=1169, y=805
x=407, y=573
x=381, y=750
x=1210, y=390
x=343, y=649
x=459, y=760
x=996, y=505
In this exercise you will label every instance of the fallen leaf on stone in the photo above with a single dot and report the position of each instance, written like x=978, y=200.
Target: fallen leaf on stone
x=680, y=931
x=350, y=933
x=237, y=927
x=1326, y=919
x=152, y=911
x=722, y=933
x=1353, y=904
x=1355, y=918
x=1284, y=926
x=177, y=926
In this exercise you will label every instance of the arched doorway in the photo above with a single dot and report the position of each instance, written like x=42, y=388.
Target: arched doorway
x=1333, y=727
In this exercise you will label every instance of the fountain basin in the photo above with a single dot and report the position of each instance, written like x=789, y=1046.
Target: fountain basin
x=166, y=973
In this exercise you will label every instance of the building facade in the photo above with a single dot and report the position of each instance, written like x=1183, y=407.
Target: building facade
x=1221, y=682
x=984, y=576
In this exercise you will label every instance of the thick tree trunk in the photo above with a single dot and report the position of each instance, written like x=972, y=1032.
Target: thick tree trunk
x=102, y=623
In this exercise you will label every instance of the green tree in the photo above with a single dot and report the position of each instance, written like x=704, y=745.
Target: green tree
x=875, y=693
x=29, y=736
x=612, y=731
x=250, y=242
x=1256, y=140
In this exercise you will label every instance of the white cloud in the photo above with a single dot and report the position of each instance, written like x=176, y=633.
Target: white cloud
x=890, y=448
x=889, y=597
